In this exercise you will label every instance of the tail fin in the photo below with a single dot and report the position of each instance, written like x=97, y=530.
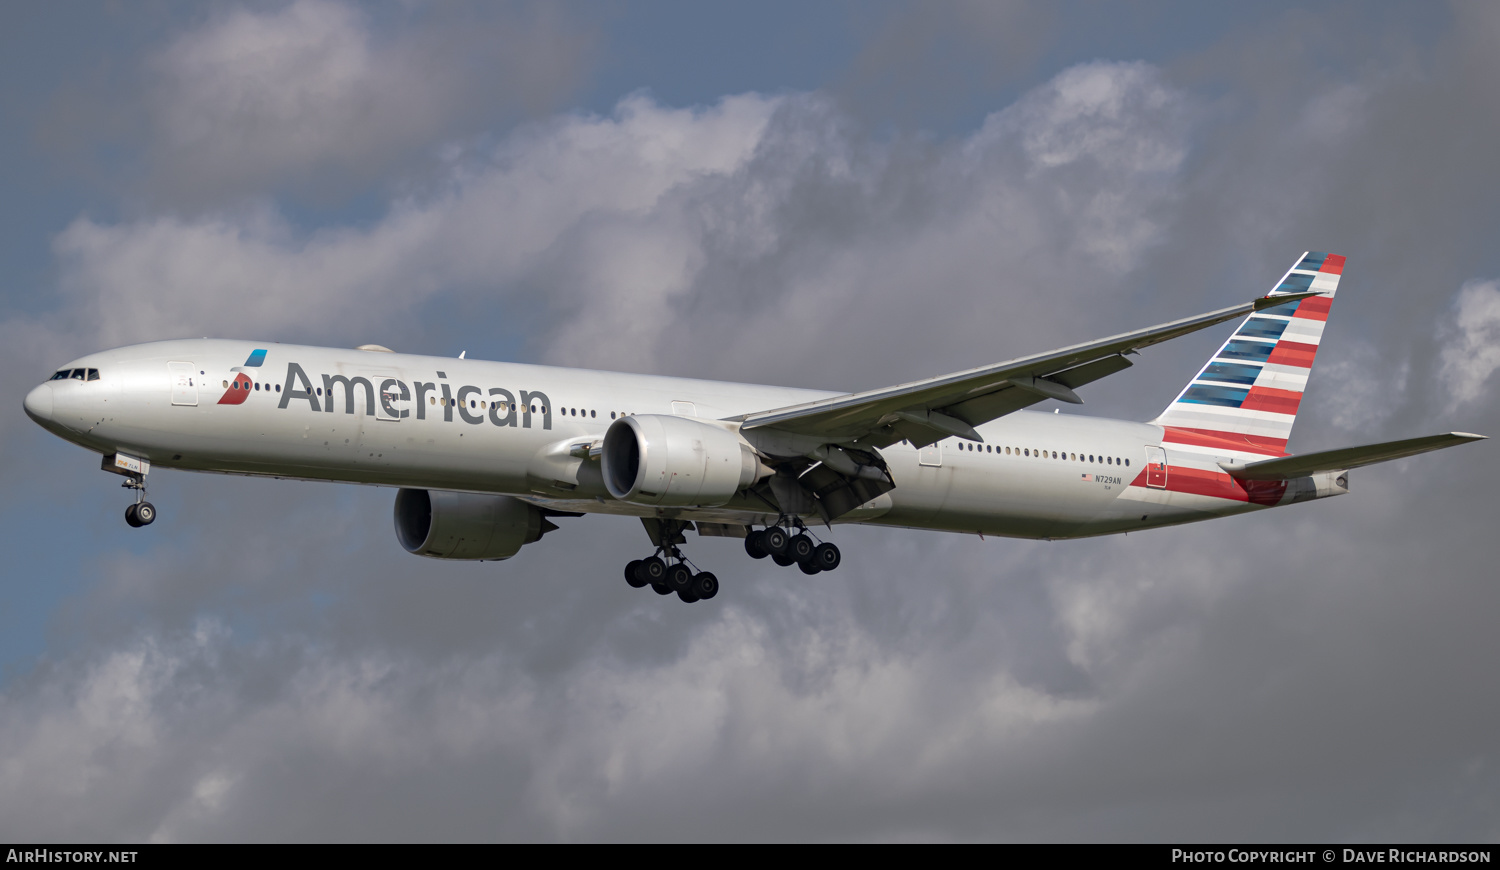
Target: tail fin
x=1245, y=399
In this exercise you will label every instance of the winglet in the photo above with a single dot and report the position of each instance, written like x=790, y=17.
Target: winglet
x=1265, y=302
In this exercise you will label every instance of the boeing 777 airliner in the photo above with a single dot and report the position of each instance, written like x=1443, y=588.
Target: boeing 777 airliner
x=485, y=454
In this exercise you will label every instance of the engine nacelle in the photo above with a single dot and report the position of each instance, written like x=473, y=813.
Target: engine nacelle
x=463, y=525
x=654, y=459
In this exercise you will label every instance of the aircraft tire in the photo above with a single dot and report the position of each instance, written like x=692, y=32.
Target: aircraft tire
x=775, y=540
x=652, y=570
x=632, y=574
x=783, y=560
x=827, y=557
x=800, y=548
x=686, y=595
x=705, y=586
x=808, y=567
x=131, y=519
x=755, y=545
x=679, y=577
x=146, y=513
x=661, y=589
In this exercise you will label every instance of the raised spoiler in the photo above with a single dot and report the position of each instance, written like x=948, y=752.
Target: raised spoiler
x=1288, y=467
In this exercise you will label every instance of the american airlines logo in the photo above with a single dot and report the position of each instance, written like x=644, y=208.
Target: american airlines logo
x=393, y=399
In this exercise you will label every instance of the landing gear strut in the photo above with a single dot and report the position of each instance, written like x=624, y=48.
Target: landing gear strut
x=142, y=513
x=667, y=570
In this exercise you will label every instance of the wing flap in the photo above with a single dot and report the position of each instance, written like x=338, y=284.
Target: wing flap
x=1288, y=467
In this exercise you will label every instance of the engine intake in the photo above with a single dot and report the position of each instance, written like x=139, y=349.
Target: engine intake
x=463, y=525
x=655, y=459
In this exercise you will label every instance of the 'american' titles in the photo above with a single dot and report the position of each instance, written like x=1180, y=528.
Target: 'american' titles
x=497, y=404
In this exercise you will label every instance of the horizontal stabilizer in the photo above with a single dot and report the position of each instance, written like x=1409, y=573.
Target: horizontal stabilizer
x=1288, y=467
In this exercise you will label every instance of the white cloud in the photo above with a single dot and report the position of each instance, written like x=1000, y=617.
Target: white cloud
x=1471, y=350
x=250, y=272
x=660, y=233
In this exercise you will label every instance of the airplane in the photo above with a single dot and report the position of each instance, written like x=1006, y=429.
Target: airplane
x=484, y=455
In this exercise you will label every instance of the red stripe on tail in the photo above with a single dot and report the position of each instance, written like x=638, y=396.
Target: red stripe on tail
x=1225, y=440
x=1312, y=308
x=1293, y=353
x=1268, y=399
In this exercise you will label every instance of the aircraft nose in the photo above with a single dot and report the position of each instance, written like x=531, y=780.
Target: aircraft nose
x=39, y=403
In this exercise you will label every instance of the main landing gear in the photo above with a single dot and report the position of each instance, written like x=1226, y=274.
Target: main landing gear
x=141, y=513
x=673, y=574
x=667, y=570
x=787, y=549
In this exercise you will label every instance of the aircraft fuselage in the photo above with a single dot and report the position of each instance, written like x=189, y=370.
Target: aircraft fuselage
x=464, y=425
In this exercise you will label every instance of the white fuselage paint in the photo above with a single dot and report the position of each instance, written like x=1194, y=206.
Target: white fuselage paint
x=131, y=410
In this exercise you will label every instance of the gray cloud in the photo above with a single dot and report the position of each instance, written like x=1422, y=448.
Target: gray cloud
x=312, y=101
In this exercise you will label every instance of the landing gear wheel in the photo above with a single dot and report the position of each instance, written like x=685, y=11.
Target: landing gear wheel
x=783, y=560
x=679, y=577
x=800, y=548
x=826, y=557
x=632, y=575
x=145, y=513
x=775, y=540
x=686, y=595
x=131, y=518
x=755, y=545
x=808, y=567
x=661, y=589
x=652, y=570
x=705, y=586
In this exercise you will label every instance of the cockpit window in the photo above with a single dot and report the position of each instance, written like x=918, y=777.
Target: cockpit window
x=76, y=374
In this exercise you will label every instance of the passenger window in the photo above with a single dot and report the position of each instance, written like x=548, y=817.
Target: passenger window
x=226, y=385
x=1127, y=463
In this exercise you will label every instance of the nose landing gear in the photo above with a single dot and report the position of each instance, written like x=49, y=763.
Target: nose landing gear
x=142, y=513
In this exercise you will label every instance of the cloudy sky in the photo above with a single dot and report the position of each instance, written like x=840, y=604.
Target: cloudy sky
x=832, y=195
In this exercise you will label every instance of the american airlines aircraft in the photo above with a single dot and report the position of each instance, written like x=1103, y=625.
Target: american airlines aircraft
x=486, y=454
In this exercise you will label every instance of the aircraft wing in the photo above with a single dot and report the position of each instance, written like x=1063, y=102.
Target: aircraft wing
x=1287, y=467
x=952, y=405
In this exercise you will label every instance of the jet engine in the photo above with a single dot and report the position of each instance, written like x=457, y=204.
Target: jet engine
x=654, y=459
x=463, y=525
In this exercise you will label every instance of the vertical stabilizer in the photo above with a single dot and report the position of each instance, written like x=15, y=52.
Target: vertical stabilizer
x=1246, y=398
